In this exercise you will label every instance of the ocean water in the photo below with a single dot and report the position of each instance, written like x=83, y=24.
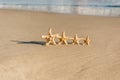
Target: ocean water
x=82, y=7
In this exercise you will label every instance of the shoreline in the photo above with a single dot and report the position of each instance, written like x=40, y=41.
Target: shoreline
x=100, y=11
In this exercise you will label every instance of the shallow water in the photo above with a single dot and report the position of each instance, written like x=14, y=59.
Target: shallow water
x=84, y=7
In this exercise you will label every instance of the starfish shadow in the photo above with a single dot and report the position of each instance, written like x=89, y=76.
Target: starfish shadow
x=29, y=42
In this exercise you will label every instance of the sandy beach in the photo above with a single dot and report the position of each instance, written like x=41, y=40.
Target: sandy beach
x=23, y=57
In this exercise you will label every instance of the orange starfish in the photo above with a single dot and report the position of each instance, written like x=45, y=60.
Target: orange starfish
x=87, y=40
x=63, y=39
x=76, y=40
x=50, y=38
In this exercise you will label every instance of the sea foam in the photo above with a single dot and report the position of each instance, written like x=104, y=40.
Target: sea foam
x=70, y=9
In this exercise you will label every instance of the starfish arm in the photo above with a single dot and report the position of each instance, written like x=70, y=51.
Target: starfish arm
x=44, y=36
x=59, y=37
x=53, y=42
x=88, y=42
x=65, y=42
x=66, y=38
x=78, y=42
x=59, y=43
x=48, y=43
x=73, y=43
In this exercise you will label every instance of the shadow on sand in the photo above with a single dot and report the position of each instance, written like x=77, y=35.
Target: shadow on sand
x=35, y=42
x=29, y=42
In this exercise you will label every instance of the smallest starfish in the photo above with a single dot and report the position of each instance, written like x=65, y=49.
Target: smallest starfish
x=87, y=40
x=76, y=40
x=50, y=38
x=63, y=39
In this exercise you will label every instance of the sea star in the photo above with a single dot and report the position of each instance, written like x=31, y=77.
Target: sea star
x=87, y=40
x=63, y=39
x=76, y=40
x=50, y=38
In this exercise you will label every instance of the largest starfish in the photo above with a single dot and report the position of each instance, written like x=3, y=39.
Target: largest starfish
x=62, y=39
x=50, y=38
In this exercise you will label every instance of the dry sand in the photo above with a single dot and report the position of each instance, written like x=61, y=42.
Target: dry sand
x=23, y=57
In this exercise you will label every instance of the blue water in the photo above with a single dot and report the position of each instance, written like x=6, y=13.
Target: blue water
x=83, y=7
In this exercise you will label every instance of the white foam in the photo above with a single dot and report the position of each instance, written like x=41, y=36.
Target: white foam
x=100, y=11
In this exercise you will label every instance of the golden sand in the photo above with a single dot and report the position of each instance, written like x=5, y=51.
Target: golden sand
x=24, y=57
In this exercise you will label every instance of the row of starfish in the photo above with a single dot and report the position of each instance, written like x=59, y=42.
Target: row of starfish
x=50, y=39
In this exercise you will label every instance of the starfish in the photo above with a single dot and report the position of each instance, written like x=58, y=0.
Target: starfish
x=63, y=39
x=50, y=38
x=76, y=40
x=87, y=40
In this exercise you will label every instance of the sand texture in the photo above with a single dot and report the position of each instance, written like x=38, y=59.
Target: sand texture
x=24, y=57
